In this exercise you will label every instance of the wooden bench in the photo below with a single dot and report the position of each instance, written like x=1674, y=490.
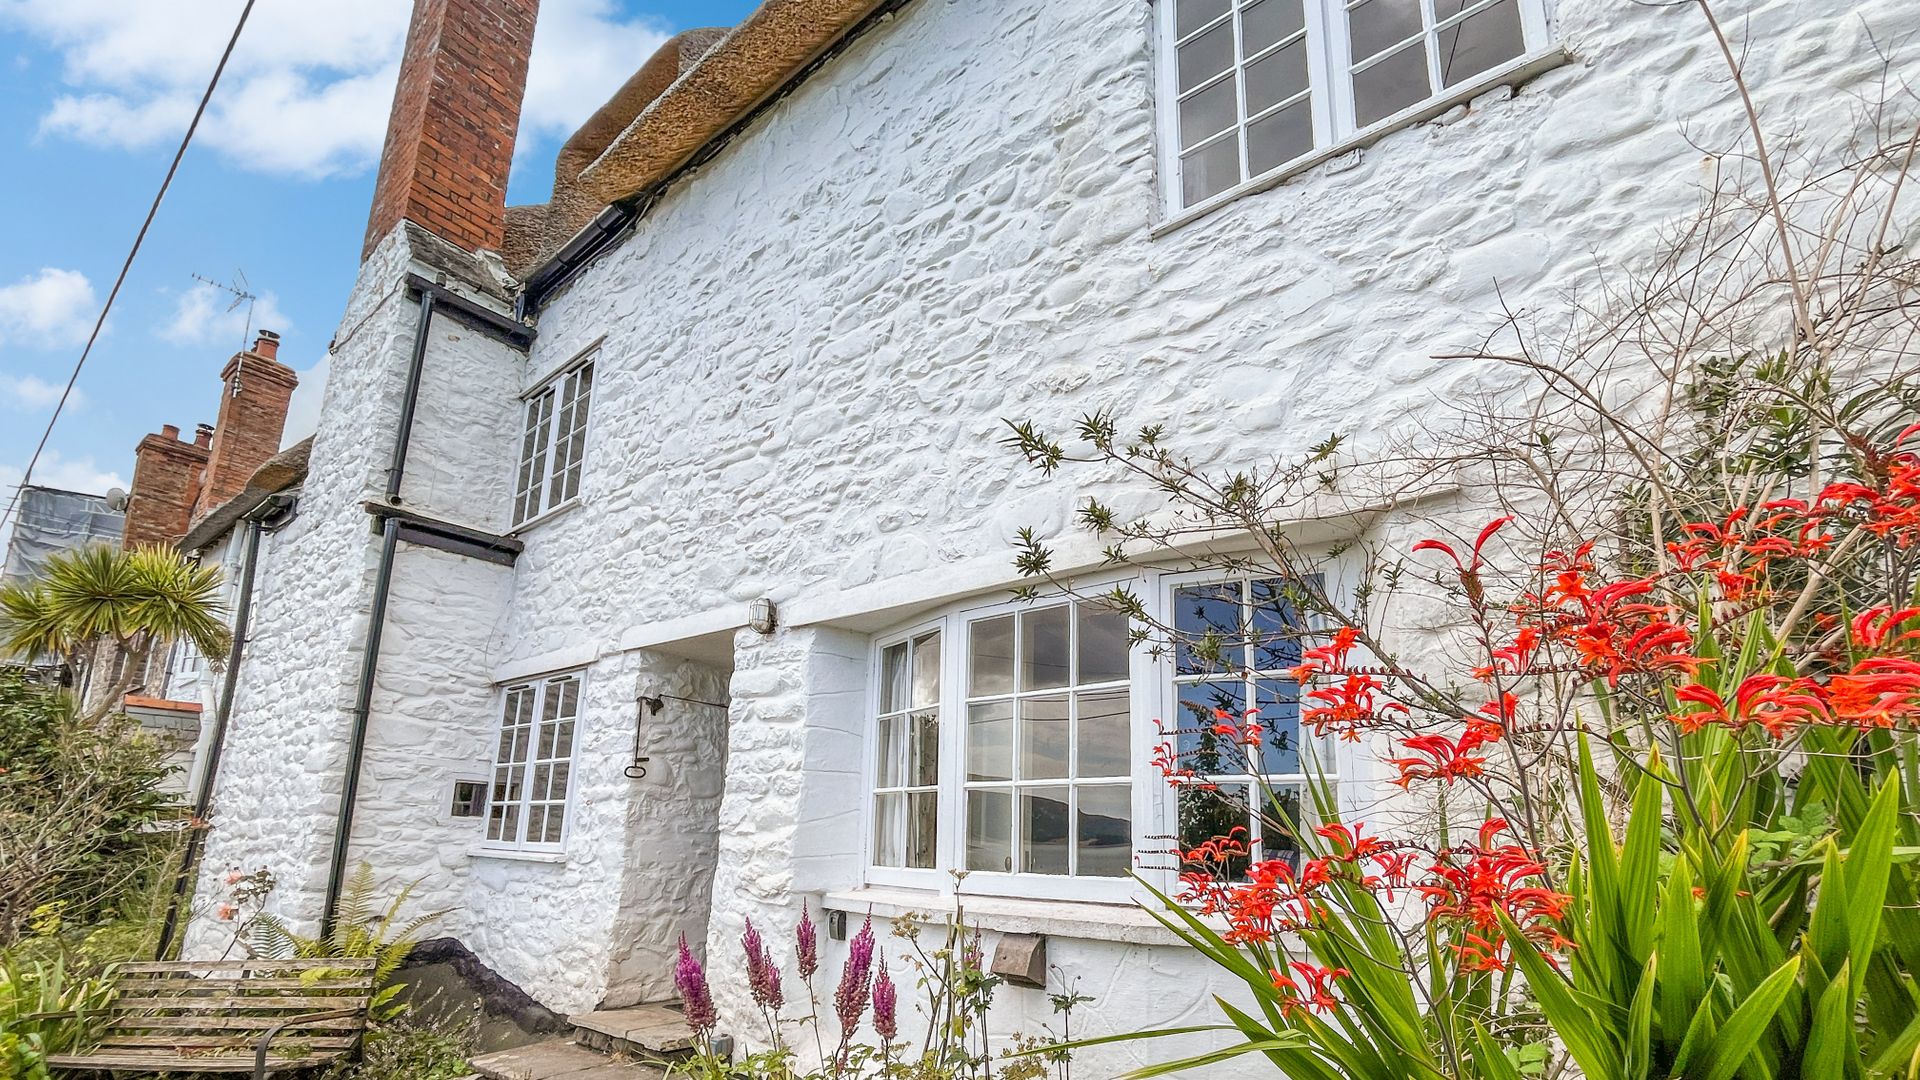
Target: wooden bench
x=230, y=1016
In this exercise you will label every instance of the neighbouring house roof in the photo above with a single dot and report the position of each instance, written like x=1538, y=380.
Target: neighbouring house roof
x=280, y=472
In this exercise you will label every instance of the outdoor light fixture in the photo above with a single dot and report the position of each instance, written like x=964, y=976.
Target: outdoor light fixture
x=762, y=616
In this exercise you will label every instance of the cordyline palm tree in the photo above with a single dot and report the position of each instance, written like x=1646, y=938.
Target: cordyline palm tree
x=109, y=608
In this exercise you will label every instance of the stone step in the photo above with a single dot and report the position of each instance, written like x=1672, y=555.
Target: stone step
x=560, y=1059
x=640, y=1030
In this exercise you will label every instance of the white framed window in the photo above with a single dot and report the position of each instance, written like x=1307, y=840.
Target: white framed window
x=1256, y=623
x=1014, y=741
x=533, y=763
x=1249, y=87
x=553, y=443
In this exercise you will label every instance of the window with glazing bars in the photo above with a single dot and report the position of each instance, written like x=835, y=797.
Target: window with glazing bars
x=533, y=763
x=1255, y=85
x=1049, y=760
x=1237, y=640
x=553, y=444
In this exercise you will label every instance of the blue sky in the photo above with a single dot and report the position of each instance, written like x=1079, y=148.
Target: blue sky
x=93, y=97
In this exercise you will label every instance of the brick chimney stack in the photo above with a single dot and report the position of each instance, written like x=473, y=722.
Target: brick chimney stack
x=455, y=113
x=256, y=389
x=166, y=479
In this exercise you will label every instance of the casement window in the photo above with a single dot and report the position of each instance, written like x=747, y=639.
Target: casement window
x=1257, y=625
x=1252, y=86
x=1015, y=742
x=533, y=763
x=553, y=444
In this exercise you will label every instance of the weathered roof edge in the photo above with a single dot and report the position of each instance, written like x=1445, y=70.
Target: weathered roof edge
x=278, y=473
x=748, y=66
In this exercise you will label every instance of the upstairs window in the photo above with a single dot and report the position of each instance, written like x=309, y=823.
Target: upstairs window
x=553, y=444
x=533, y=763
x=1257, y=85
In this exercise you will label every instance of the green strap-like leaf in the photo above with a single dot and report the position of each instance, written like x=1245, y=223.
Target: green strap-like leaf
x=1740, y=1037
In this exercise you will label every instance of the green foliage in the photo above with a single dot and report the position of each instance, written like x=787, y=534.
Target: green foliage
x=45, y=1010
x=82, y=810
x=108, y=594
x=363, y=930
x=407, y=1050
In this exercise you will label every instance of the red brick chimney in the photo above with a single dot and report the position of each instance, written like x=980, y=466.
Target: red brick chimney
x=166, y=479
x=455, y=113
x=255, y=390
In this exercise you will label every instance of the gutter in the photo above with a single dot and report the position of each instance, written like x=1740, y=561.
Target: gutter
x=278, y=509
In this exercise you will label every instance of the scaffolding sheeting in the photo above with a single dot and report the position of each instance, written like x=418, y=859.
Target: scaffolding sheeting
x=49, y=520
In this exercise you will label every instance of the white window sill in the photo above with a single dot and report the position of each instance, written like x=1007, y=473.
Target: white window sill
x=481, y=851
x=1071, y=919
x=546, y=515
x=1515, y=71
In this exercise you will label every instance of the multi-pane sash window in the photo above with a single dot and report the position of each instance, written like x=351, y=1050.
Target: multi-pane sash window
x=1237, y=638
x=907, y=762
x=1256, y=85
x=534, y=762
x=553, y=444
x=1048, y=747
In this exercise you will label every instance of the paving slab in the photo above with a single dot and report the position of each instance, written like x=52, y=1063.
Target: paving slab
x=658, y=1028
x=559, y=1059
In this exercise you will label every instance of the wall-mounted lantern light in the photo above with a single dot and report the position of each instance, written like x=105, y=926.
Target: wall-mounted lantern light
x=762, y=616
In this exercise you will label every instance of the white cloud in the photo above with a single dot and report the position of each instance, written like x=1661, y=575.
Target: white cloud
x=204, y=315
x=31, y=393
x=303, y=412
x=53, y=308
x=309, y=87
x=57, y=471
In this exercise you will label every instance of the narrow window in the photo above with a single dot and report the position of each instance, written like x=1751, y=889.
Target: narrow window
x=906, y=795
x=1237, y=639
x=1259, y=84
x=533, y=762
x=1049, y=753
x=553, y=444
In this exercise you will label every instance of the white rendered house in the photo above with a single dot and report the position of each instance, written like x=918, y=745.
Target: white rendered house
x=760, y=345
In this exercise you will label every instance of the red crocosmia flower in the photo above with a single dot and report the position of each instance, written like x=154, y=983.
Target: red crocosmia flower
x=1317, y=993
x=1878, y=693
x=1473, y=887
x=1394, y=866
x=1469, y=570
x=1349, y=843
x=1874, y=628
x=1347, y=707
x=1438, y=758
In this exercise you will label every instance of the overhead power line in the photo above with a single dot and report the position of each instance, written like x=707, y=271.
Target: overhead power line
x=185, y=140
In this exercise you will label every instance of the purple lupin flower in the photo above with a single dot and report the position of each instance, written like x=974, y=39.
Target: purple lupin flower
x=806, y=945
x=763, y=975
x=697, y=1001
x=886, y=1005
x=856, y=979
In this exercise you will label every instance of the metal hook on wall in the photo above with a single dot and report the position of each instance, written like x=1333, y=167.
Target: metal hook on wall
x=648, y=705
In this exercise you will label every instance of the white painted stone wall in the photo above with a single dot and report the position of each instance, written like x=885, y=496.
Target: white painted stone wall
x=809, y=348
x=810, y=345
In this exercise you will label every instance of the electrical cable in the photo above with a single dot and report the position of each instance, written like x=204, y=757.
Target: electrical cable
x=152, y=211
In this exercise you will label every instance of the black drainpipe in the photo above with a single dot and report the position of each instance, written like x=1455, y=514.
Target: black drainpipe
x=376, y=623
x=203, y=798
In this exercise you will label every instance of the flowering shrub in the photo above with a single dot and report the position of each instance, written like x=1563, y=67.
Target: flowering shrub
x=955, y=989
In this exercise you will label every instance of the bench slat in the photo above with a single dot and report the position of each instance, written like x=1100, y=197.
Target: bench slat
x=196, y=966
x=236, y=1042
x=196, y=985
x=166, y=1062
x=244, y=1001
x=235, y=1023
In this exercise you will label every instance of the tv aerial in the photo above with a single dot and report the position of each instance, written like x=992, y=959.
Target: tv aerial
x=242, y=293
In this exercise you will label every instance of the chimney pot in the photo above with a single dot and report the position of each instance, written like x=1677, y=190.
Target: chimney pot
x=203, y=435
x=267, y=345
x=171, y=431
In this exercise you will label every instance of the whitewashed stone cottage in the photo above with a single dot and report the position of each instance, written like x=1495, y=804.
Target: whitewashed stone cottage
x=758, y=347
